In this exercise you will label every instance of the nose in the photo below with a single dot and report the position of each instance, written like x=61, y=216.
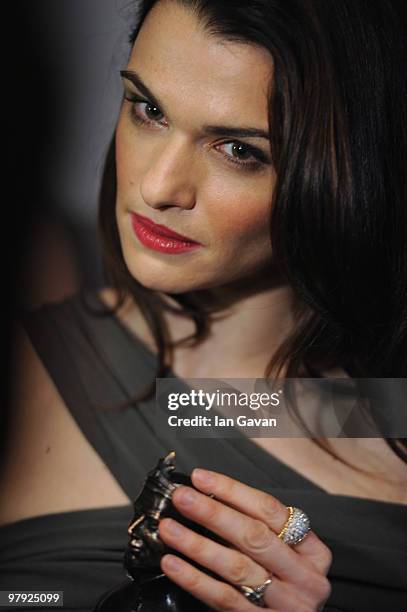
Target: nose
x=169, y=179
x=135, y=523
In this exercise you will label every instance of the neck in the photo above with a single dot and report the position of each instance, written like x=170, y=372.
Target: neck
x=248, y=323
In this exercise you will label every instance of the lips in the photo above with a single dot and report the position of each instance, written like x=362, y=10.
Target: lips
x=159, y=237
x=162, y=230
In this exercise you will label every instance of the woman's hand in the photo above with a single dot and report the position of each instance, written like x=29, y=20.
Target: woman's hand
x=250, y=520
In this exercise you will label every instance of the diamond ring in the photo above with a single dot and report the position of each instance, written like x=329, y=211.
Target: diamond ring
x=256, y=594
x=296, y=527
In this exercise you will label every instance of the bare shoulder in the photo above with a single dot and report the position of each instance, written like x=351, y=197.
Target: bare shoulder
x=128, y=312
x=108, y=295
x=49, y=464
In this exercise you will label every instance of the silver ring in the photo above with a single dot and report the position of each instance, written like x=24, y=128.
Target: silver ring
x=256, y=594
x=296, y=527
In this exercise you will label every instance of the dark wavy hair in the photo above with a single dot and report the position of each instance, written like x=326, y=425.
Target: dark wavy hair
x=338, y=216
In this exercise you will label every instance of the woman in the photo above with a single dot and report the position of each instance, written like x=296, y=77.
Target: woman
x=269, y=136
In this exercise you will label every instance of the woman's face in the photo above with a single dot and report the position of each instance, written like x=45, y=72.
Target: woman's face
x=211, y=186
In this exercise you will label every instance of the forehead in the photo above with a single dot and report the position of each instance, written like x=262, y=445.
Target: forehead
x=179, y=62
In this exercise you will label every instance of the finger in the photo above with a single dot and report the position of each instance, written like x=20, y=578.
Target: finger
x=264, y=507
x=282, y=595
x=315, y=552
x=216, y=594
x=286, y=596
x=236, y=568
x=249, y=500
x=231, y=564
x=250, y=536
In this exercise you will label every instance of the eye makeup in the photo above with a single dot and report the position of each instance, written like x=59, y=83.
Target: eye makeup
x=255, y=158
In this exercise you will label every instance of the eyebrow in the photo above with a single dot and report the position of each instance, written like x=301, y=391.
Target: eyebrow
x=214, y=130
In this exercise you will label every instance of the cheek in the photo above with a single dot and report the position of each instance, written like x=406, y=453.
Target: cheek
x=126, y=160
x=241, y=217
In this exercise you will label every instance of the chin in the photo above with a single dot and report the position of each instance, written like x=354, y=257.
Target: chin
x=163, y=281
x=176, y=277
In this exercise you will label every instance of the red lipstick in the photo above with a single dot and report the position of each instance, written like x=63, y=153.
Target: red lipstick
x=159, y=237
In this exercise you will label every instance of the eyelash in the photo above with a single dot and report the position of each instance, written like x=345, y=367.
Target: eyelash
x=256, y=153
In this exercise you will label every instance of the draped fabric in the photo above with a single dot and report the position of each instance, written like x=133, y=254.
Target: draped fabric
x=96, y=360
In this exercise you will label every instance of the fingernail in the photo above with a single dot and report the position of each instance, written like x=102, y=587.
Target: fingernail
x=203, y=476
x=173, y=527
x=172, y=563
x=186, y=497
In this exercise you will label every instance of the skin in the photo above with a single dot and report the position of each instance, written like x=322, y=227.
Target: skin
x=183, y=180
x=186, y=181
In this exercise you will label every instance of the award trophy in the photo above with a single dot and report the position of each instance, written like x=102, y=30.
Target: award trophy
x=147, y=588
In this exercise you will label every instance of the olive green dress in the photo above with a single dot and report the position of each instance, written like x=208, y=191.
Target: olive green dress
x=95, y=359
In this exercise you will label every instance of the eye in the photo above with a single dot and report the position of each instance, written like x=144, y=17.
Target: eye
x=148, y=116
x=247, y=156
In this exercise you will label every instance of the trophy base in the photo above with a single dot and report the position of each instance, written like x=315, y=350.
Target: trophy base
x=158, y=595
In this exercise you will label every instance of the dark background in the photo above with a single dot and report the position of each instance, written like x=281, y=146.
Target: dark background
x=67, y=97
x=62, y=89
